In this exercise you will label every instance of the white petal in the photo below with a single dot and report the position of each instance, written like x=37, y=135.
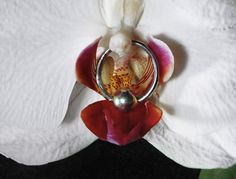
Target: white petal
x=51, y=145
x=203, y=94
x=198, y=102
x=200, y=98
x=216, y=150
x=133, y=10
x=39, y=44
x=212, y=14
x=112, y=12
x=118, y=12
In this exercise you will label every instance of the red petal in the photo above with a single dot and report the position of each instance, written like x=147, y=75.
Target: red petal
x=164, y=56
x=115, y=126
x=86, y=64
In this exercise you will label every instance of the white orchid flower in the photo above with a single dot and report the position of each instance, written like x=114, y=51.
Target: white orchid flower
x=41, y=101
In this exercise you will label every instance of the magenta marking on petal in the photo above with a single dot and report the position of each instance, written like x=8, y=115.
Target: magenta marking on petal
x=164, y=56
x=86, y=64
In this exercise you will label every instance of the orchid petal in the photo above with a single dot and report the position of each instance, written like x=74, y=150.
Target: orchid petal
x=199, y=102
x=86, y=65
x=220, y=15
x=112, y=12
x=202, y=97
x=37, y=57
x=164, y=56
x=119, y=127
x=71, y=136
x=215, y=150
x=118, y=12
x=133, y=11
x=39, y=43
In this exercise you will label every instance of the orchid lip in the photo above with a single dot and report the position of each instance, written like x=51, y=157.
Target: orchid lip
x=127, y=97
x=148, y=64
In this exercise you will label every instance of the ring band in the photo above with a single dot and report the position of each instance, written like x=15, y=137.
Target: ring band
x=155, y=76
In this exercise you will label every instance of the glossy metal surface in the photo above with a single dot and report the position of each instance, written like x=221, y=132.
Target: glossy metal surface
x=125, y=98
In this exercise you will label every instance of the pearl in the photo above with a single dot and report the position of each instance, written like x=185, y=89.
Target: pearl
x=125, y=100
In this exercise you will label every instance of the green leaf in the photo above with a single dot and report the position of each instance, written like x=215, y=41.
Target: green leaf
x=228, y=173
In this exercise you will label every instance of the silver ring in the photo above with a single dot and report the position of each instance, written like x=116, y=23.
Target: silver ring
x=155, y=67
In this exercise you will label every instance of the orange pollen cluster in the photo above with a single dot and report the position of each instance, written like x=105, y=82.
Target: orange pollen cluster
x=119, y=80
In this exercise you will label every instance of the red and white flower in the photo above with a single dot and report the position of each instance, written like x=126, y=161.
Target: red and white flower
x=41, y=101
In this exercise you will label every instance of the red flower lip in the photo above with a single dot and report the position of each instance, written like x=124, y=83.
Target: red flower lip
x=118, y=127
x=103, y=118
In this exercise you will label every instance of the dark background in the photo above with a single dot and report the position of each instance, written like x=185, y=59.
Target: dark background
x=103, y=160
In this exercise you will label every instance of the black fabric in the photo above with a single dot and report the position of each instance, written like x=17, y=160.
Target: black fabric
x=103, y=160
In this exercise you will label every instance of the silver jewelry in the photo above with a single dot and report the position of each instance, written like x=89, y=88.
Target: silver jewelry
x=125, y=100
